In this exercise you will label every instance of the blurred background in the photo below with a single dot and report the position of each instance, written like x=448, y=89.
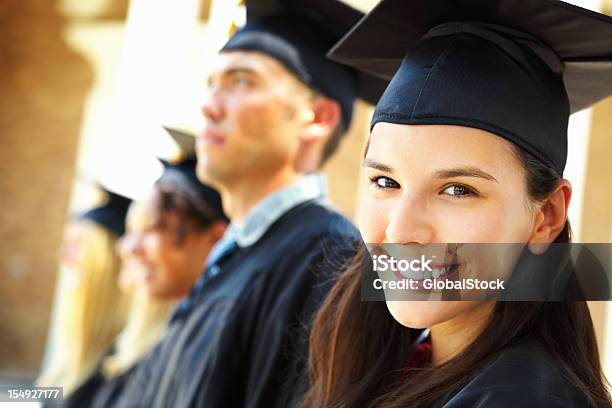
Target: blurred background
x=86, y=86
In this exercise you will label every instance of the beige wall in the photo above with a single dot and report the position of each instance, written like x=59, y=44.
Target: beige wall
x=597, y=214
x=344, y=167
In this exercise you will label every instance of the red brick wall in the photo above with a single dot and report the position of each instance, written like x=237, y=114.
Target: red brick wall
x=43, y=85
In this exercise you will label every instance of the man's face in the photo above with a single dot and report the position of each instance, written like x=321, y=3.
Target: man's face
x=254, y=110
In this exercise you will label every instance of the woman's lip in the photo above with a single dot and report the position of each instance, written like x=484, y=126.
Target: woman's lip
x=211, y=136
x=439, y=271
x=443, y=266
x=145, y=271
x=450, y=272
x=148, y=276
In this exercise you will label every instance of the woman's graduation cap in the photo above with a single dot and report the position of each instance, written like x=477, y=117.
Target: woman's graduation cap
x=516, y=68
x=111, y=213
x=298, y=33
x=183, y=172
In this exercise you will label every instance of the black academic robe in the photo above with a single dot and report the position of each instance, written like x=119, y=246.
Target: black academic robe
x=522, y=376
x=244, y=341
x=82, y=396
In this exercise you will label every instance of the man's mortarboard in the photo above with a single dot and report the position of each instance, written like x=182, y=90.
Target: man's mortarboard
x=111, y=213
x=517, y=68
x=298, y=34
x=183, y=173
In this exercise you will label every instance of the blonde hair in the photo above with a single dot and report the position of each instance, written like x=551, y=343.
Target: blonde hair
x=90, y=314
x=146, y=325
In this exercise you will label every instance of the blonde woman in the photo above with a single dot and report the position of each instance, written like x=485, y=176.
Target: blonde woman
x=91, y=307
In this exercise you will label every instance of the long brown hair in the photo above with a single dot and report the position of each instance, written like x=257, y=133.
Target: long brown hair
x=358, y=352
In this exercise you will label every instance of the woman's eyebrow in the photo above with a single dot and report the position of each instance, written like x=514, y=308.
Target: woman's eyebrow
x=464, y=172
x=377, y=165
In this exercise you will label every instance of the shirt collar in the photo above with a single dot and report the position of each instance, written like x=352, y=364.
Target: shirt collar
x=265, y=213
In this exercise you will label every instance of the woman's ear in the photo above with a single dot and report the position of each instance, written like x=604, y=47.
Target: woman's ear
x=550, y=218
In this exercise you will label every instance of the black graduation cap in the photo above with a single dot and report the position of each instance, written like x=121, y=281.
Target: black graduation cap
x=298, y=33
x=183, y=172
x=517, y=68
x=185, y=141
x=111, y=213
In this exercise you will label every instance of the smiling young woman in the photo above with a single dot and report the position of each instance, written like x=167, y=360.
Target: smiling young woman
x=468, y=145
x=468, y=338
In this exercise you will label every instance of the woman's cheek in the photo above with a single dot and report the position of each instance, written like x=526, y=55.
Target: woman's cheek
x=373, y=219
x=151, y=247
x=501, y=224
x=458, y=223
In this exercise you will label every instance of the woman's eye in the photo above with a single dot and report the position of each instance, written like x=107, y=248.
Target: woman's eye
x=384, y=182
x=156, y=226
x=458, y=191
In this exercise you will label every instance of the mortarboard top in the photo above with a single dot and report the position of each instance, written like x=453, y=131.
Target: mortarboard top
x=110, y=213
x=185, y=141
x=183, y=172
x=298, y=33
x=517, y=68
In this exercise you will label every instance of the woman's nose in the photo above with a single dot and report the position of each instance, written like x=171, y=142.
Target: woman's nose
x=127, y=246
x=410, y=222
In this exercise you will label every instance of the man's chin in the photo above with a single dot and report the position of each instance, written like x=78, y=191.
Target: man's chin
x=208, y=173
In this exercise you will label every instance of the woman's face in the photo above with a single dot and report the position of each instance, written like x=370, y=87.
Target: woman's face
x=154, y=256
x=139, y=219
x=71, y=252
x=439, y=184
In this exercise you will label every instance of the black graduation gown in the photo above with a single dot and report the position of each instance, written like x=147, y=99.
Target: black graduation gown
x=522, y=376
x=82, y=396
x=244, y=342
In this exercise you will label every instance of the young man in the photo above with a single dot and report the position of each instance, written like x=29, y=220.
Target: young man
x=275, y=111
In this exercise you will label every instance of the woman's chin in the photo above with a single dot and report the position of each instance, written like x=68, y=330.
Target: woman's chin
x=423, y=314
x=152, y=285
